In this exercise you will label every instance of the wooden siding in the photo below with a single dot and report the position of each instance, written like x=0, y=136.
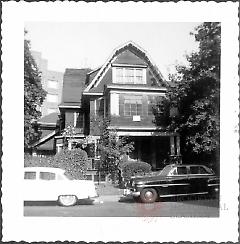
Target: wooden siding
x=146, y=119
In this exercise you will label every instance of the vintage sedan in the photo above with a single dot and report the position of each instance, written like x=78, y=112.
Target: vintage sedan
x=174, y=180
x=53, y=184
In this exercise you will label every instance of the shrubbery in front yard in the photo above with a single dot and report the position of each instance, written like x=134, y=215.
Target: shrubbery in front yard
x=31, y=161
x=73, y=161
x=132, y=168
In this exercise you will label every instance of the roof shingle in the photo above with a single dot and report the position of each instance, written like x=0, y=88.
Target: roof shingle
x=73, y=85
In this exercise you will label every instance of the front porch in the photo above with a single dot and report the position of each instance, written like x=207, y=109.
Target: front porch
x=157, y=149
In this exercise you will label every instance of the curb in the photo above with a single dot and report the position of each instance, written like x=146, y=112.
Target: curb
x=108, y=198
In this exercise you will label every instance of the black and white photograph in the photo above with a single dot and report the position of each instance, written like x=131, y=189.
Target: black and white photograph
x=125, y=121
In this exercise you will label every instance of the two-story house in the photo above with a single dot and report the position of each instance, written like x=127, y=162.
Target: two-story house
x=124, y=89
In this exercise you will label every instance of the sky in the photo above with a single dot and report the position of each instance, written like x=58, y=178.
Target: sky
x=89, y=44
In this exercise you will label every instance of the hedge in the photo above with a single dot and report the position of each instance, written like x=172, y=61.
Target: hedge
x=133, y=168
x=73, y=161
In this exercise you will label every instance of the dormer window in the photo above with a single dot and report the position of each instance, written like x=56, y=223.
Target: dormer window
x=129, y=75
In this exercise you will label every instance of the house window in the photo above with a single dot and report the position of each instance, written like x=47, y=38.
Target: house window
x=129, y=76
x=119, y=75
x=52, y=98
x=100, y=107
x=78, y=120
x=132, y=105
x=139, y=76
x=52, y=84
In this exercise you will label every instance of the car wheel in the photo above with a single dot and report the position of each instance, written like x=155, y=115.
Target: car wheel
x=67, y=200
x=148, y=195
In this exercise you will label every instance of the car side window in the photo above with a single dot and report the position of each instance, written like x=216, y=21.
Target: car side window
x=202, y=170
x=30, y=175
x=181, y=170
x=197, y=170
x=47, y=176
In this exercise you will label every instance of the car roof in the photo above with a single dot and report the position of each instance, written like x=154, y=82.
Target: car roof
x=50, y=169
x=173, y=165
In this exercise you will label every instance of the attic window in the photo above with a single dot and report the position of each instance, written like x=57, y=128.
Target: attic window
x=129, y=75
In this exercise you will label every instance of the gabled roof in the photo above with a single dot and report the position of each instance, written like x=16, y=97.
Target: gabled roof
x=132, y=46
x=73, y=86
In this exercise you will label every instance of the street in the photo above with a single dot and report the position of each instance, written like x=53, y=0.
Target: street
x=116, y=206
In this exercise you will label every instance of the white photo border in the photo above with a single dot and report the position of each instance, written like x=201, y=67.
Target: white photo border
x=16, y=227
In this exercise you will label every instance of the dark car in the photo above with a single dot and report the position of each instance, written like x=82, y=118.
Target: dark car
x=174, y=180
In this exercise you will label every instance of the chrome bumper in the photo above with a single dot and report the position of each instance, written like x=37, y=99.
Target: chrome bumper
x=130, y=192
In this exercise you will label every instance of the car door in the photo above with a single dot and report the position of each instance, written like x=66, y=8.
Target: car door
x=179, y=183
x=47, y=185
x=198, y=178
x=30, y=185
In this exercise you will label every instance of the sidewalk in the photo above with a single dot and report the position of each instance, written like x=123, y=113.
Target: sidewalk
x=108, y=192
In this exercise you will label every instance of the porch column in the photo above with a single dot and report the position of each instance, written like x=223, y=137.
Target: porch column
x=59, y=147
x=178, y=145
x=172, y=146
x=69, y=145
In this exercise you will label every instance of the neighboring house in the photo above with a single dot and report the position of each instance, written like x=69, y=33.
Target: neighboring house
x=51, y=83
x=124, y=89
x=49, y=128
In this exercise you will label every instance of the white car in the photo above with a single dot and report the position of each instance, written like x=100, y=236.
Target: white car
x=52, y=184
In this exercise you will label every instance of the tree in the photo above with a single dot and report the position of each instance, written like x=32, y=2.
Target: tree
x=195, y=92
x=112, y=148
x=33, y=95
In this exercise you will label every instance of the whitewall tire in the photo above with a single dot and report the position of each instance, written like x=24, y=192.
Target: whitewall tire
x=67, y=200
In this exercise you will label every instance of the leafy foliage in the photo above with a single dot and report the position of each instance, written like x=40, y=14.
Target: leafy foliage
x=33, y=95
x=111, y=148
x=133, y=168
x=195, y=93
x=73, y=161
x=31, y=161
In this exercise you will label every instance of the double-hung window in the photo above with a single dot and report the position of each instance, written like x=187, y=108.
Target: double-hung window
x=129, y=75
x=119, y=75
x=139, y=76
x=132, y=105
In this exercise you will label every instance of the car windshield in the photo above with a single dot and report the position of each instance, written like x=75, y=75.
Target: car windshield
x=165, y=170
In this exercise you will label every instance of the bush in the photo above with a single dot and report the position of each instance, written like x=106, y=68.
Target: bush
x=31, y=161
x=133, y=168
x=73, y=161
